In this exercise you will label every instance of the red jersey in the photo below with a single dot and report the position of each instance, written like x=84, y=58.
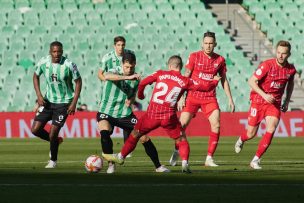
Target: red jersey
x=169, y=87
x=272, y=79
x=204, y=68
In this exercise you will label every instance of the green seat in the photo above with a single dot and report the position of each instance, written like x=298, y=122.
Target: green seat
x=86, y=7
x=54, y=6
x=62, y=17
x=102, y=7
x=7, y=6
x=148, y=6
x=21, y=4
x=69, y=7
x=26, y=63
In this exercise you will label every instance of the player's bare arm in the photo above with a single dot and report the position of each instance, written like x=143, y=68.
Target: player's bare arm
x=100, y=75
x=182, y=101
x=78, y=85
x=253, y=83
x=289, y=90
x=116, y=77
x=226, y=88
x=36, y=81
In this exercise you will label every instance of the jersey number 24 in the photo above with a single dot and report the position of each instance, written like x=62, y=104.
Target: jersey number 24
x=170, y=98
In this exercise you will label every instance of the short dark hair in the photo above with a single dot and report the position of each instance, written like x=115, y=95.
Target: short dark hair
x=129, y=57
x=209, y=34
x=284, y=43
x=176, y=60
x=119, y=39
x=56, y=43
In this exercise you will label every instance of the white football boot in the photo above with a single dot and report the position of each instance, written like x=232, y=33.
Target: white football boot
x=111, y=168
x=174, y=158
x=210, y=162
x=162, y=169
x=238, y=146
x=51, y=164
x=255, y=163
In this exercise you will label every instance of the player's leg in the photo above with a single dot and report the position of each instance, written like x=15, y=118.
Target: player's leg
x=271, y=125
x=58, y=119
x=184, y=151
x=185, y=119
x=255, y=116
x=43, y=115
x=152, y=152
x=250, y=133
x=39, y=131
x=54, y=145
x=105, y=130
x=214, y=120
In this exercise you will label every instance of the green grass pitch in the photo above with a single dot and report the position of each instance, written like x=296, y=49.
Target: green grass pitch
x=24, y=179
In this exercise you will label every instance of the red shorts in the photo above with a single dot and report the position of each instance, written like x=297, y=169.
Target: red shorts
x=172, y=126
x=258, y=112
x=207, y=106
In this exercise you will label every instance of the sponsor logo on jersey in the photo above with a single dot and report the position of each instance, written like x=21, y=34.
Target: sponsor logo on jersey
x=276, y=85
x=205, y=76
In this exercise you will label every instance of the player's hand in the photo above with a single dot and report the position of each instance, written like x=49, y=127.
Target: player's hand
x=141, y=96
x=41, y=101
x=128, y=102
x=135, y=76
x=217, y=78
x=232, y=106
x=71, y=109
x=269, y=98
x=181, y=103
x=284, y=107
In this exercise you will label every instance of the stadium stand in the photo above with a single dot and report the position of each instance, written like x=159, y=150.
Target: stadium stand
x=281, y=19
x=154, y=29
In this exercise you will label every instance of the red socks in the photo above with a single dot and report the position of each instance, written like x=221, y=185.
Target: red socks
x=244, y=137
x=264, y=144
x=213, y=140
x=184, y=150
x=129, y=146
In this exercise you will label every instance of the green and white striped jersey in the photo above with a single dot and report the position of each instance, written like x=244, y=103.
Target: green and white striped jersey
x=114, y=94
x=111, y=61
x=59, y=78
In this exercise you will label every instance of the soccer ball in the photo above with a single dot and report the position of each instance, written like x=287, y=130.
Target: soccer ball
x=93, y=164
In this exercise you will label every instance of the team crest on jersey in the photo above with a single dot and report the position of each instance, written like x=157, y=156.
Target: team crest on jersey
x=288, y=76
x=215, y=65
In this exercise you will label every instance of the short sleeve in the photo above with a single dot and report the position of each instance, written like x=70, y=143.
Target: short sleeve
x=261, y=71
x=103, y=65
x=38, y=68
x=75, y=71
x=190, y=62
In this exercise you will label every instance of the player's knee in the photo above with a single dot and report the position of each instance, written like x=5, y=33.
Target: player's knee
x=35, y=130
x=144, y=139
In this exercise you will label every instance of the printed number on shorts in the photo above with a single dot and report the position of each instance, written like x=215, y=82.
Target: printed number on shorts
x=253, y=112
x=134, y=120
x=171, y=96
x=60, y=118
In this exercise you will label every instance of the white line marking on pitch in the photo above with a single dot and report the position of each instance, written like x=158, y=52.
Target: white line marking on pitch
x=130, y=161
x=152, y=185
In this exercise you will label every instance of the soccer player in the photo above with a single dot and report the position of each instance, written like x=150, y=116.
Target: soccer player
x=112, y=60
x=268, y=84
x=118, y=94
x=169, y=86
x=202, y=66
x=60, y=99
